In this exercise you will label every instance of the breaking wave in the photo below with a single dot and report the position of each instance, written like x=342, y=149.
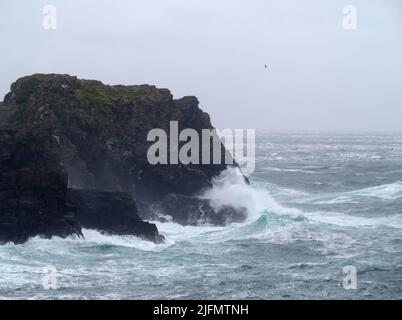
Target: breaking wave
x=231, y=189
x=390, y=191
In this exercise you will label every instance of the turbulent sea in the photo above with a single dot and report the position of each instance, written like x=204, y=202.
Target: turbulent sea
x=316, y=203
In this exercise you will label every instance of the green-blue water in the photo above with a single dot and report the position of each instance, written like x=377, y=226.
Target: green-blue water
x=317, y=203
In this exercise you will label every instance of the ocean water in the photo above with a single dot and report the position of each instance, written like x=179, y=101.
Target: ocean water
x=317, y=203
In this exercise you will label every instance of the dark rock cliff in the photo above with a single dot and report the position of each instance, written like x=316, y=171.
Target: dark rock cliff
x=33, y=188
x=97, y=135
x=111, y=213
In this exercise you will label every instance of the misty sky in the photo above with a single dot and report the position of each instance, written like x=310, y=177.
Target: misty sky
x=320, y=77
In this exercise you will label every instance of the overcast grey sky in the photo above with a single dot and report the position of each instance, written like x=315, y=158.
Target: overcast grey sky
x=319, y=76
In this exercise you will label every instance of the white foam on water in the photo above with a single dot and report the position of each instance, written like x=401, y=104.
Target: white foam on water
x=390, y=191
x=338, y=200
x=345, y=220
x=97, y=237
x=57, y=245
x=292, y=170
x=177, y=233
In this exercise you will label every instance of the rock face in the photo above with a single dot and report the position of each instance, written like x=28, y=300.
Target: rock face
x=33, y=188
x=102, y=131
x=95, y=136
x=188, y=210
x=111, y=213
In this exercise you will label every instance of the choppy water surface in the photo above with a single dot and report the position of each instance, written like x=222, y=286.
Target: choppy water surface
x=317, y=203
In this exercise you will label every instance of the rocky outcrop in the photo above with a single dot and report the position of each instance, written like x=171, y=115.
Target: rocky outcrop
x=111, y=213
x=102, y=131
x=95, y=136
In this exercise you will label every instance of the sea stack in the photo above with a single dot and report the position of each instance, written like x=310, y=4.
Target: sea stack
x=68, y=145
